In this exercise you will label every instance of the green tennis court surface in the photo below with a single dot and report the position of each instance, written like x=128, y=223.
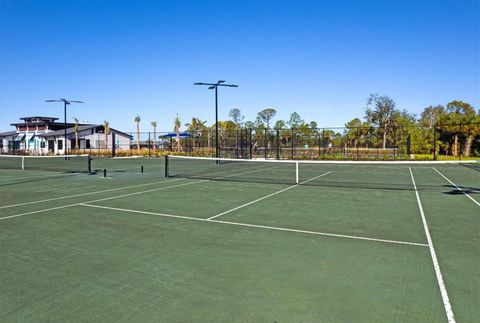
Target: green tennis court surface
x=241, y=243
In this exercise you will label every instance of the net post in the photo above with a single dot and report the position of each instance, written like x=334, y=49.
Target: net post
x=296, y=172
x=89, y=164
x=166, y=166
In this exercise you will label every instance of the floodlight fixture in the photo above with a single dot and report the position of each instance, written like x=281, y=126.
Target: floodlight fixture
x=214, y=86
x=65, y=103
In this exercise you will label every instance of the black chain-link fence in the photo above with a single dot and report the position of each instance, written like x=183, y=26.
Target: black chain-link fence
x=393, y=143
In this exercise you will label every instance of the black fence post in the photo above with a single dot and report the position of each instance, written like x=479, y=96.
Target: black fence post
x=460, y=145
x=265, y=143
x=394, y=143
x=293, y=144
x=323, y=143
x=113, y=144
x=434, y=142
x=237, y=144
x=357, y=141
x=149, y=145
x=318, y=142
x=277, y=134
x=378, y=145
x=250, y=142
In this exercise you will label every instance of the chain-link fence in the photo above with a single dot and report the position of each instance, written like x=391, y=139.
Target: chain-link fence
x=351, y=143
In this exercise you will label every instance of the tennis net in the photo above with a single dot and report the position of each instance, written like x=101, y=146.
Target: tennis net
x=390, y=175
x=68, y=163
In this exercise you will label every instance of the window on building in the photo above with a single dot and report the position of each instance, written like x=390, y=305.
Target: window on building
x=87, y=144
x=60, y=144
x=42, y=144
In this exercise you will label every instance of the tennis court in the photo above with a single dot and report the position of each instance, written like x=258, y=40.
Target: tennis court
x=253, y=241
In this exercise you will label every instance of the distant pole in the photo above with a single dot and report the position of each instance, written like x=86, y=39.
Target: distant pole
x=65, y=102
x=214, y=86
x=217, y=145
x=65, y=125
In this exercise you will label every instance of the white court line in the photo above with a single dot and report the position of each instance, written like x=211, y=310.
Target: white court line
x=436, y=265
x=265, y=197
x=458, y=188
x=98, y=200
x=109, y=198
x=108, y=190
x=15, y=177
x=256, y=225
x=88, y=193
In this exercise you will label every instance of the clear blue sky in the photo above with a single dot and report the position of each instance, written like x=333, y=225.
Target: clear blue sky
x=319, y=58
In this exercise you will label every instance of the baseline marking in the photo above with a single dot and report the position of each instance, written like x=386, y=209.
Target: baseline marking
x=265, y=197
x=255, y=225
x=458, y=188
x=436, y=265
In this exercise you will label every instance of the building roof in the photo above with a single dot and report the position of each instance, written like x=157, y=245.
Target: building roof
x=8, y=133
x=71, y=130
x=51, y=119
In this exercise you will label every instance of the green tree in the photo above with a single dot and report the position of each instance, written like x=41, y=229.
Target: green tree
x=423, y=136
x=154, y=125
x=430, y=115
x=380, y=111
x=177, y=123
x=249, y=124
x=295, y=120
x=237, y=117
x=460, y=120
x=279, y=125
x=266, y=116
x=106, y=132
x=75, y=128
x=137, y=121
x=353, y=132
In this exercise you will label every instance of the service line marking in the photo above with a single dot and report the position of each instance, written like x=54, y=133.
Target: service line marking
x=254, y=225
x=436, y=265
x=265, y=197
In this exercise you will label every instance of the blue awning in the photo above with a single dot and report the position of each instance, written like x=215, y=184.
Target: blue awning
x=173, y=135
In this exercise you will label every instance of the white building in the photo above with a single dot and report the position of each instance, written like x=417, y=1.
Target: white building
x=43, y=135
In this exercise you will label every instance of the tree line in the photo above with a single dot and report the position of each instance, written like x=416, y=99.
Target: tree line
x=451, y=129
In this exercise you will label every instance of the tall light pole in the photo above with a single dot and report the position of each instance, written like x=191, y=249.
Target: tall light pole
x=65, y=102
x=214, y=86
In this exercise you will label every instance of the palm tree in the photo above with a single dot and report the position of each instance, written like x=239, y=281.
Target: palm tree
x=137, y=120
x=177, y=124
x=154, y=125
x=75, y=128
x=106, y=131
